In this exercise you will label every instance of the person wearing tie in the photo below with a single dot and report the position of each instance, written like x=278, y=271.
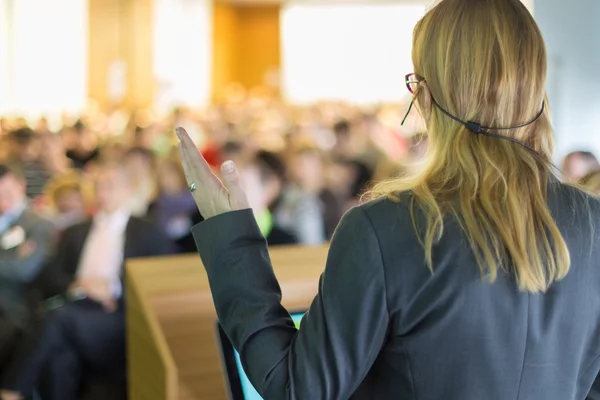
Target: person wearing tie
x=86, y=335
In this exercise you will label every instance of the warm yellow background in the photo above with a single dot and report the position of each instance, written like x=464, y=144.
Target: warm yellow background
x=246, y=46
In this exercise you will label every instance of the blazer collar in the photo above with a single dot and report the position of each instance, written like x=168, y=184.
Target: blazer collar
x=130, y=235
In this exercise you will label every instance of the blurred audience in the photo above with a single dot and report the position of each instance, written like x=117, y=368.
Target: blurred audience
x=75, y=203
x=140, y=164
x=84, y=145
x=54, y=157
x=174, y=208
x=65, y=201
x=306, y=203
x=24, y=154
x=263, y=180
x=86, y=334
x=302, y=168
x=25, y=240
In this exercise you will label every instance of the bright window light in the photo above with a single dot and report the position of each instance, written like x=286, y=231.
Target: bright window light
x=350, y=52
x=5, y=90
x=182, y=52
x=43, y=57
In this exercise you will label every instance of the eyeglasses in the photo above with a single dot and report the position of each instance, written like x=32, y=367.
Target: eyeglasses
x=412, y=82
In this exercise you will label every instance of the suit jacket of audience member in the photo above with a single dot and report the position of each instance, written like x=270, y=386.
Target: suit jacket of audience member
x=16, y=273
x=142, y=239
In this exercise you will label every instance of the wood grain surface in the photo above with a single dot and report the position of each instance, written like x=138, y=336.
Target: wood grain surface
x=173, y=351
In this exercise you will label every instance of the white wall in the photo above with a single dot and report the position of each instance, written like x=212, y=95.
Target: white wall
x=5, y=59
x=529, y=4
x=353, y=52
x=572, y=35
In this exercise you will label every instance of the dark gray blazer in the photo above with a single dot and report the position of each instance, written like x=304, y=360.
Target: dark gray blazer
x=384, y=327
x=16, y=273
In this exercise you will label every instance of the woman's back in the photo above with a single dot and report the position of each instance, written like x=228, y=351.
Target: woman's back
x=454, y=335
x=474, y=279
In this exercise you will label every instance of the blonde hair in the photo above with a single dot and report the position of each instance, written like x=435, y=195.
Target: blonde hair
x=68, y=182
x=591, y=183
x=485, y=61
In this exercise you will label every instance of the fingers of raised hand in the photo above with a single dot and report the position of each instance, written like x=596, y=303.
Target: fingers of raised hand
x=194, y=163
x=237, y=197
x=208, y=191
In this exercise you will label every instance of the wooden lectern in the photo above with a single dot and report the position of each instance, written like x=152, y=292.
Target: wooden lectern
x=173, y=351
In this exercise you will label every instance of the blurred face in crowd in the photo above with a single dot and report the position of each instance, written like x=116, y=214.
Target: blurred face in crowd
x=12, y=192
x=112, y=152
x=53, y=149
x=144, y=137
x=69, y=201
x=84, y=140
x=343, y=138
x=579, y=165
x=138, y=166
x=171, y=179
x=340, y=177
x=52, y=144
x=307, y=170
x=262, y=191
x=112, y=189
x=25, y=151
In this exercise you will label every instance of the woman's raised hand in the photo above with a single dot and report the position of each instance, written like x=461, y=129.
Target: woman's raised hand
x=212, y=196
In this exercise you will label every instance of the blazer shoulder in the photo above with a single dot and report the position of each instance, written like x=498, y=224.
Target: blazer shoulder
x=382, y=210
x=570, y=202
x=33, y=221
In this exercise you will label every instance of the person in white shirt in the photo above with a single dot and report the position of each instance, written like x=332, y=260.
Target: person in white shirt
x=88, y=332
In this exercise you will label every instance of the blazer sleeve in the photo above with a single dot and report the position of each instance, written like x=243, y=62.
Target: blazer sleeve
x=340, y=336
x=61, y=267
x=17, y=269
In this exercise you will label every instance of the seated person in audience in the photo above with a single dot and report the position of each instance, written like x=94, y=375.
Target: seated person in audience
x=24, y=154
x=112, y=151
x=579, y=164
x=24, y=241
x=236, y=151
x=53, y=156
x=86, y=335
x=143, y=138
x=174, y=209
x=65, y=201
x=85, y=146
x=344, y=147
x=348, y=179
x=140, y=165
x=302, y=210
x=263, y=179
